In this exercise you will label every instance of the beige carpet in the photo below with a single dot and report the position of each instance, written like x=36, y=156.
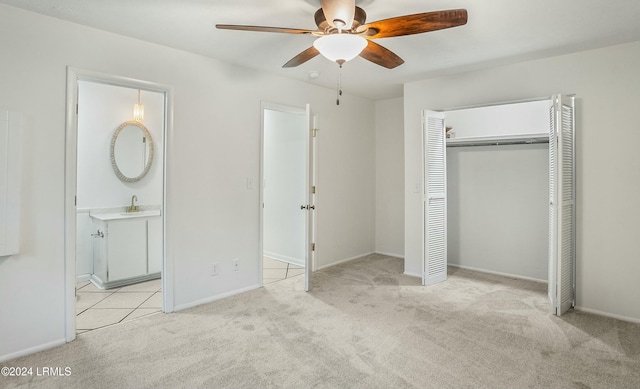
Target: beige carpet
x=364, y=325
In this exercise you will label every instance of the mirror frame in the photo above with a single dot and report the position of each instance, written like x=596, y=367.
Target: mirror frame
x=147, y=134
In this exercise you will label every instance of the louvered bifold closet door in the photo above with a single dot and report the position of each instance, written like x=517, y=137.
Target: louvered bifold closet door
x=564, y=204
x=553, y=212
x=567, y=213
x=435, y=199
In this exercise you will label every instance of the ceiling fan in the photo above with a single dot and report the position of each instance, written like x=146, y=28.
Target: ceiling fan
x=344, y=33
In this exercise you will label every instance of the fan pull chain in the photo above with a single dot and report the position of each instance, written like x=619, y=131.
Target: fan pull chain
x=339, y=86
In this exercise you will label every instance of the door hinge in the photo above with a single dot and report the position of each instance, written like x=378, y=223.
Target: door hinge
x=313, y=189
x=314, y=132
x=75, y=200
x=76, y=109
x=313, y=247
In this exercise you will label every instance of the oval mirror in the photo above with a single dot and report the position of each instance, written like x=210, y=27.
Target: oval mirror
x=131, y=151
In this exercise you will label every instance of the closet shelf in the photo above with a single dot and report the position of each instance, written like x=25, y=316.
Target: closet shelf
x=498, y=140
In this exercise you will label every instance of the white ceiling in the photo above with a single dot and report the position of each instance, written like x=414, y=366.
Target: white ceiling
x=497, y=32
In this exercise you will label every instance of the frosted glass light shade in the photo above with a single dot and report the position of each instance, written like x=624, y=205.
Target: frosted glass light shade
x=340, y=47
x=138, y=112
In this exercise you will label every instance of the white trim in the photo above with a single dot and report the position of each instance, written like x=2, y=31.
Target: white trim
x=411, y=274
x=607, y=314
x=389, y=254
x=207, y=300
x=284, y=258
x=33, y=350
x=282, y=108
x=11, y=170
x=168, y=279
x=497, y=273
x=346, y=260
x=70, y=214
x=83, y=278
x=71, y=140
x=507, y=102
x=263, y=106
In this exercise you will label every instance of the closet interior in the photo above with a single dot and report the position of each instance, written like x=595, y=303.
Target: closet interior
x=499, y=193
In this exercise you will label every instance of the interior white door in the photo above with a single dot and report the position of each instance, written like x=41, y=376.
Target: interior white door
x=562, y=214
x=435, y=199
x=310, y=198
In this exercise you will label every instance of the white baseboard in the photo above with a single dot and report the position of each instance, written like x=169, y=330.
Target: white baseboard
x=192, y=304
x=33, y=350
x=284, y=258
x=83, y=278
x=498, y=273
x=607, y=314
x=407, y=273
x=390, y=254
x=343, y=261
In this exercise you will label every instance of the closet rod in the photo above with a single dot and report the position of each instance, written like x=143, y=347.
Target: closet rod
x=497, y=142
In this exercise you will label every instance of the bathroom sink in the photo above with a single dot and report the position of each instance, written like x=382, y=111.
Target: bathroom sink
x=126, y=215
x=150, y=212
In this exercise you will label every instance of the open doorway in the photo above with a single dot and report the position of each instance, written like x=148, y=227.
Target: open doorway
x=119, y=204
x=116, y=181
x=284, y=167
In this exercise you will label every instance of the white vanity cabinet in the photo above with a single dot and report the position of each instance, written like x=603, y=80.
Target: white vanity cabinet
x=127, y=248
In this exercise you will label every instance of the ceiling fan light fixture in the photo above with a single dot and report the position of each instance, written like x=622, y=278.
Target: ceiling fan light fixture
x=340, y=47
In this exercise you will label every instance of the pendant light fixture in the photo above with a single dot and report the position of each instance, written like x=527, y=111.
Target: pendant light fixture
x=138, y=110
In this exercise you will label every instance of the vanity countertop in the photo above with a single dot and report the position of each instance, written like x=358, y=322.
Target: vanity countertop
x=120, y=215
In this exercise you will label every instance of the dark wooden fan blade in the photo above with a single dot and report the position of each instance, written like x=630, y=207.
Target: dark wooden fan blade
x=302, y=57
x=263, y=29
x=417, y=23
x=381, y=56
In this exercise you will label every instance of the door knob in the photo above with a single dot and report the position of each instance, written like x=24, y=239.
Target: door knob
x=312, y=207
x=304, y=207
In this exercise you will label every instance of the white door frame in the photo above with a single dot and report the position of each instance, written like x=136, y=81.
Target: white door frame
x=70, y=185
x=289, y=109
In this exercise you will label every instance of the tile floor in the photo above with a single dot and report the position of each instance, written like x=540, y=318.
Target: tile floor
x=274, y=270
x=97, y=308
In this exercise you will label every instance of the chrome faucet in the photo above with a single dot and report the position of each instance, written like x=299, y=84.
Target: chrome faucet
x=133, y=208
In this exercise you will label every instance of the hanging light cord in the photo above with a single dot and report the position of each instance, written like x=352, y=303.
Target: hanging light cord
x=339, y=84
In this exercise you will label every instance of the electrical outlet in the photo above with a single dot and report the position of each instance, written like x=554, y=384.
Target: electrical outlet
x=236, y=264
x=214, y=269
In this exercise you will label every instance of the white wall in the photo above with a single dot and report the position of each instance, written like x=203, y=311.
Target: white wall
x=498, y=209
x=389, y=177
x=285, y=172
x=608, y=179
x=526, y=118
x=345, y=213
x=211, y=215
x=102, y=109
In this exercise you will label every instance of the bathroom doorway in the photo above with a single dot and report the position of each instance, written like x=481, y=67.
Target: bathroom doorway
x=285, y=206
x=117, y=179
